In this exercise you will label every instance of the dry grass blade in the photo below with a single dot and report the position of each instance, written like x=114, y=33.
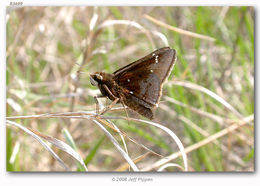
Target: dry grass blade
x=122, y=152
x=79, y=114
x=35, y=136
x=92, y=116
x=220, y=120
x=111, y=124
x=168, y=131
x=122, y=22
x=128, y=23
x=169, y=165
x=125, y=135
x=206, y=141
x=136, y=160
x=214, y=117
x=234, y=156
x=93, y=20
x=15, y=152
x=62, y=146
x=208, y=92
x=137, y=26
x=114, y=127
x=162, y=37
x=178, y=30
x=193, y=125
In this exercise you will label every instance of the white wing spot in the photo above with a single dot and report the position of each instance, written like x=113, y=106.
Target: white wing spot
x=153, y=54
x=156, y=105
x=151, y=70
x=131, y=92
x=156, y=59
x=128, y=80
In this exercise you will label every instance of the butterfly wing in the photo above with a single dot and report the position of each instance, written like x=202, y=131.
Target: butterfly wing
x=144, y=78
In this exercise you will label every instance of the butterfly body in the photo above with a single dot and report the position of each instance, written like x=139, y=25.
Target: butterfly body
x=139, y=84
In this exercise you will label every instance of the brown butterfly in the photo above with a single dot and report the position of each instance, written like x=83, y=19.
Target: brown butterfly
x=139, y=84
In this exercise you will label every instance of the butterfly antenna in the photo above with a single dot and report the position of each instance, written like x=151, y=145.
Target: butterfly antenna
x=80, y=72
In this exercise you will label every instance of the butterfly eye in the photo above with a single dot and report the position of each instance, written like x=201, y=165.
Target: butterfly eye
x=99, y=77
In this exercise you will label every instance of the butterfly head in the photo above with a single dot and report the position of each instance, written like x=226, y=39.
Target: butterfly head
x=96, y=78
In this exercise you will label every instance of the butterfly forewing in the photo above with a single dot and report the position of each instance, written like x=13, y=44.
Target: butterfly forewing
x=144, y=78
x=144, y=59
x=142, y=85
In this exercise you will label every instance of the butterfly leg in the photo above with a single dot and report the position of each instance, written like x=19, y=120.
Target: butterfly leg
x=109, y=106
x=115, y=100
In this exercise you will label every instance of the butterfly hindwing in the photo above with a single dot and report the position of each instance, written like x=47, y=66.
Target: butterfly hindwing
x=138, y=106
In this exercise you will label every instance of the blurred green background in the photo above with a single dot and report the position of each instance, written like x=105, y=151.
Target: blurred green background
x=45, y=47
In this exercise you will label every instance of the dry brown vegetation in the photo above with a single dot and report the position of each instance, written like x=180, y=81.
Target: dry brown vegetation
x=208, y=101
